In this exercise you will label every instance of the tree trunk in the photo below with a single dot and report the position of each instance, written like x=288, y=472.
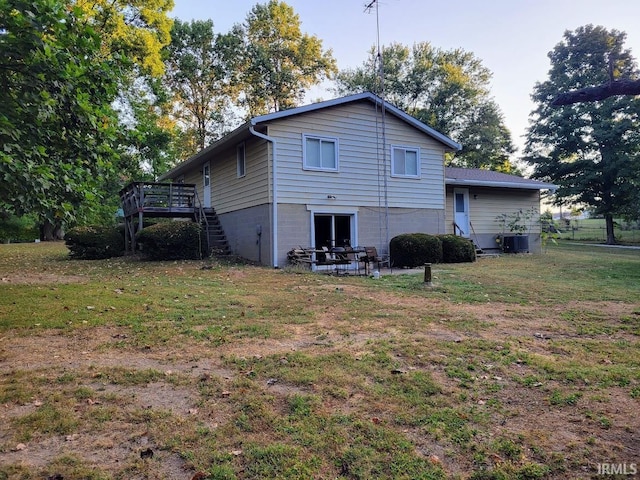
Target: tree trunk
x=50, y=232
x=611, y=239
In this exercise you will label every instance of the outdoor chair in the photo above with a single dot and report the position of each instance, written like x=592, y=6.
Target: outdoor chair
x=371, y=256
x=353, y=258
x=342, y=256
x=325, y=257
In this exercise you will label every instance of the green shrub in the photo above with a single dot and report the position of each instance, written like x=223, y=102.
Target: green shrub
x=457, y=249
x=95, y=241
x=18, y=229
x=415, y=249
x=172, y=241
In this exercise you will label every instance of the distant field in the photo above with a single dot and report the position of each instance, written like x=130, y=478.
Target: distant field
x=594, y=230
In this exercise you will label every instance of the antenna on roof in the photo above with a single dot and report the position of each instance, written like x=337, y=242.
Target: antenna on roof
x=368, y=8
x=382, y=151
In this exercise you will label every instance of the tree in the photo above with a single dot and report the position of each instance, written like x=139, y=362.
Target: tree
x=590, y=150
x=56, y=124
x=486, y=141
x=199, y=78
x=276, y=62
x=136, y=29
x=147, y=140
x=447, y=90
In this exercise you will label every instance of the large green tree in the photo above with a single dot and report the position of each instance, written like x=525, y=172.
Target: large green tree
x=276, y=62
x=198, y=76
x=447, y=90
x=137, y=29
x=148, y=139
x=591, y=150
x=56, y=122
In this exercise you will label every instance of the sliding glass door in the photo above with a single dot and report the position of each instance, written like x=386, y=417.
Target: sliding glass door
x=332, y=230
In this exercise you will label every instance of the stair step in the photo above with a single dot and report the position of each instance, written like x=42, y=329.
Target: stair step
x=215, y=233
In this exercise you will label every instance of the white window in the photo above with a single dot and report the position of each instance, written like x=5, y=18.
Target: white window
x=320, y=153
x=240, y=160
x=206, y=175
x=405, y=161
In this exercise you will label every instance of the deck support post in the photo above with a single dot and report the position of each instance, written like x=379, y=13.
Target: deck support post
x=427, y=274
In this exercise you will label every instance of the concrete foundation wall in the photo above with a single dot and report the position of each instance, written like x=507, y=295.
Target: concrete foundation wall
x=295, y=228
x=241, y=228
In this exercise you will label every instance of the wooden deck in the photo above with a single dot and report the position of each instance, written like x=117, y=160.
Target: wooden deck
x=160, y=199
x=165, y=200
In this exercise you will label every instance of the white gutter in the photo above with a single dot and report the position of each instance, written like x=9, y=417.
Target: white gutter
x=483, y=183
x=274, y=227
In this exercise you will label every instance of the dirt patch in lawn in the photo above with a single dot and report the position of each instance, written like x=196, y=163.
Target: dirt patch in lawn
x=118, y=388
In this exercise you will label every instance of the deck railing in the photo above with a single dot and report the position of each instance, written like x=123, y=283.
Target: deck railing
x=152, y=199
x=158, y=198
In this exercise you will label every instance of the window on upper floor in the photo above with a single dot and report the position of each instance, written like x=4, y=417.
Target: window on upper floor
x=241, y=160
x=320, y=153
x=405, y=161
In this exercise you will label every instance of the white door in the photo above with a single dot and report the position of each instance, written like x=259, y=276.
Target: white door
x=461, y=211
x=206, y=182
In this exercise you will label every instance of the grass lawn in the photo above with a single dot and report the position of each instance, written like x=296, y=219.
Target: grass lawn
x=517, y=367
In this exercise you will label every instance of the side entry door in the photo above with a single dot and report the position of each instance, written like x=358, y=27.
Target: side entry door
x=461, y=212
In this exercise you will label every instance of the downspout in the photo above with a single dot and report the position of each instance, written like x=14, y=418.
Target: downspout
x=274, y=228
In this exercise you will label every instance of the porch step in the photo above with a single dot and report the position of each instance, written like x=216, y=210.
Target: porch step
x=488, y=255
x=479, y=251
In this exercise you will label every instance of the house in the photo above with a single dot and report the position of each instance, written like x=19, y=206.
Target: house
x=326, y=174
x=349, y=171
x=477, y=198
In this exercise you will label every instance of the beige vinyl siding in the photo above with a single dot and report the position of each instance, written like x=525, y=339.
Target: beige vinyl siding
x=356, y=183
x=195, y=176
x=230, y=193
x=491, y=202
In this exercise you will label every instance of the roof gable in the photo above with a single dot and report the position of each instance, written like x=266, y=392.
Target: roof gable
x=243, y=131
x=366, y=96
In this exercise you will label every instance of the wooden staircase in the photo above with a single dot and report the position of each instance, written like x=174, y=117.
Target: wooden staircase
x=218, y=243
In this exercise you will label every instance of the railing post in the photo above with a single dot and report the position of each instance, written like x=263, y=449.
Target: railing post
x=140, y=211
x=140, y=188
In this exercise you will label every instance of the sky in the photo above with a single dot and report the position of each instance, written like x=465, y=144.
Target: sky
x=511, y=37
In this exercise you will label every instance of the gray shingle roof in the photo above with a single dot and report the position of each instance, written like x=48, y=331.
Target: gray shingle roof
x=487, y=178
